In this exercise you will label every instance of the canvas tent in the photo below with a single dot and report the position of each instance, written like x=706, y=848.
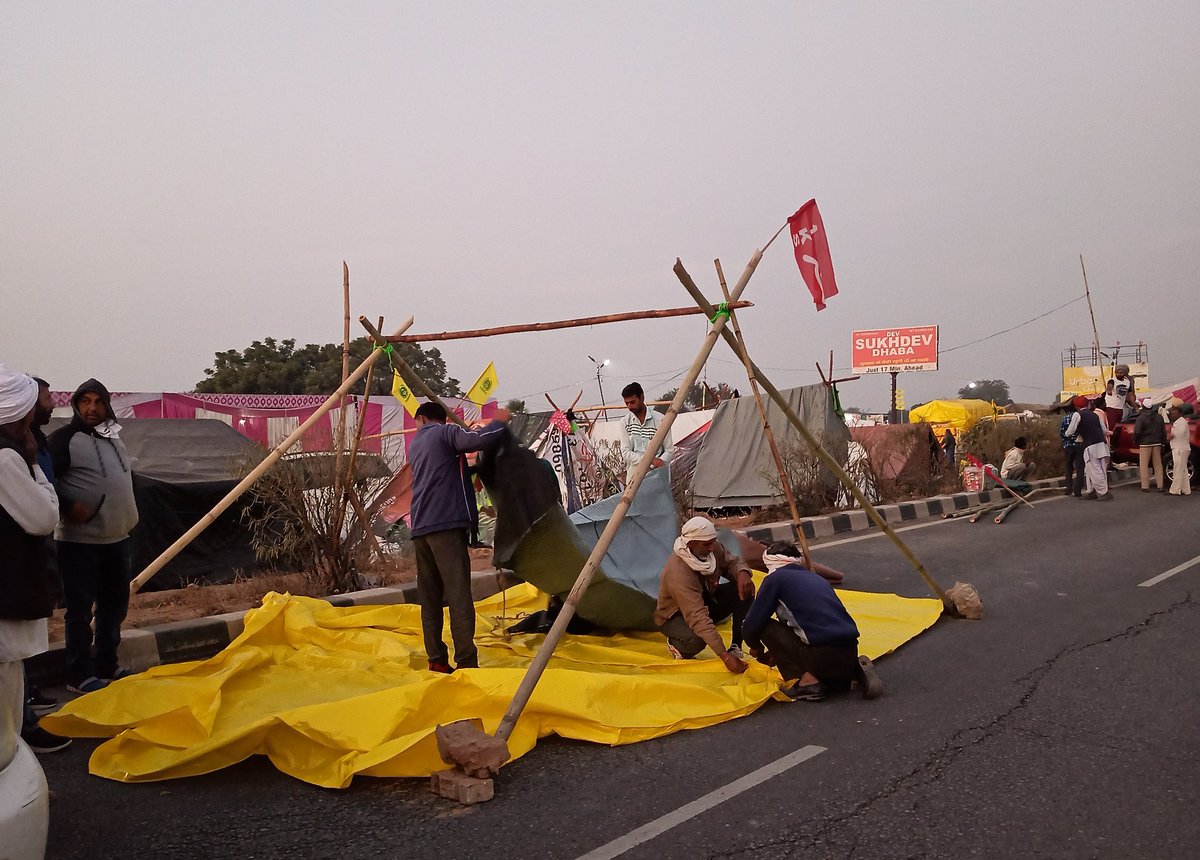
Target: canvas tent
x=734, y=466
x=957, y=415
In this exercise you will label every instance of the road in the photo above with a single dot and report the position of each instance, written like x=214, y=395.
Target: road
x=1064, y=724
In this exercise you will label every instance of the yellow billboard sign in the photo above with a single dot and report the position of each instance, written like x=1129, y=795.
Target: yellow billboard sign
x=1090, y=379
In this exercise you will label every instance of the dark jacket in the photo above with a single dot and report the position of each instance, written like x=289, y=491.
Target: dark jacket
x=29, y=584
x=95, y=470
x=1091, y=431
x=1149, y=428
x=442, y=497
x=806, y=602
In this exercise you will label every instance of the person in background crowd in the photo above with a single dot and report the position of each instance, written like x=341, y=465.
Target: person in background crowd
x=1119, y=397
x=93, y=474
x=28, y=584
x=948, y=447
x=1093, y=435
x=1149, y=432
x=640, y=426
x=1068, y=434
x=1181, y=449
x=1014, y=467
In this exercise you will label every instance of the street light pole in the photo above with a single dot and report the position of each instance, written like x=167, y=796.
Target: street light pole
x=599, y=366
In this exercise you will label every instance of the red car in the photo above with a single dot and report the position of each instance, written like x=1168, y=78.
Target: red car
x=1125, y=451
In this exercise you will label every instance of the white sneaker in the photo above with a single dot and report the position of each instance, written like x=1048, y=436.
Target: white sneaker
x=736, y=651
x=674, y=652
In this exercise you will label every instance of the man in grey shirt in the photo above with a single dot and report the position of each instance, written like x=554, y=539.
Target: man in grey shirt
x=94, y=478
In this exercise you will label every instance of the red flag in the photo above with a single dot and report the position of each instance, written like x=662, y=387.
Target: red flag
x=812, y=252
x=559, y=420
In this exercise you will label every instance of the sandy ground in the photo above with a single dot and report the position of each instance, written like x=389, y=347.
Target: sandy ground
x=198, y=601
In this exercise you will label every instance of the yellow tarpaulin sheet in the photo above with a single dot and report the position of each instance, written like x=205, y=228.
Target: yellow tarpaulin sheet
x=958, y=415
x=329, y=693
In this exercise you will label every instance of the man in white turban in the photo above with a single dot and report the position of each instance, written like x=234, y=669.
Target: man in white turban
x=692, y=599
x=28, y=515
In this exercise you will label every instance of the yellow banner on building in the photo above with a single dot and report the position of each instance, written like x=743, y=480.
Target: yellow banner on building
x=1090, y=379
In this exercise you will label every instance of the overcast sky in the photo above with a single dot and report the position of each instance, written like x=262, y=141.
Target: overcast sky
x=180, y=179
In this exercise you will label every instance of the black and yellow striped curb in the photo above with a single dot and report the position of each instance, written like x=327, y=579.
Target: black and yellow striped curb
x=846, y=522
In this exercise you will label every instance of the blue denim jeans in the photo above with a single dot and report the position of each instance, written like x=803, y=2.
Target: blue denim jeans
x=95, y=585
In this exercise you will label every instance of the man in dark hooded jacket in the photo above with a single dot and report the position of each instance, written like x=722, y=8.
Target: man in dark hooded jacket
x=94, y=478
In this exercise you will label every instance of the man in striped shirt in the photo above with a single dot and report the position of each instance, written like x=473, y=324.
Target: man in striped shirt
x=640, y=426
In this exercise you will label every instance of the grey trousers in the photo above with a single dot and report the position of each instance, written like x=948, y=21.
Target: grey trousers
x=444, y=579
x=833, y=665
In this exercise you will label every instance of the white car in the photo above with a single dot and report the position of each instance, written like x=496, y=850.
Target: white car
x=24, y=803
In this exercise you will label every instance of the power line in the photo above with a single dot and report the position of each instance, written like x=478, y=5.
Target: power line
x=1013, y=328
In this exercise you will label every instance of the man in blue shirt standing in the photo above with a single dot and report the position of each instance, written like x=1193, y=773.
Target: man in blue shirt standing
x=443, y=505
x=814, y=642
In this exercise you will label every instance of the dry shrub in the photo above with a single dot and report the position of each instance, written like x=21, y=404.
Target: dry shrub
x=298, y=521
x=814, y=489
x=901, y=462
x=989, y=440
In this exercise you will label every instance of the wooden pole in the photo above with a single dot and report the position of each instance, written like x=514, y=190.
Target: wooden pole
x=352, y=458
x=1095, y=332
x=341, y=428
x=821, y=453
x=534, y=673
x=361, y=513
x=410, y=375
x=618, y=406
x=270, y=460
x=762, y=414
x=550, y=326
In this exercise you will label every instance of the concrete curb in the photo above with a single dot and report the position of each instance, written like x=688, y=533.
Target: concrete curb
x=847, y=522
x=200, y=638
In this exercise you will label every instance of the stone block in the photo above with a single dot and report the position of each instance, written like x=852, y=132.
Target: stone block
x=465, y=744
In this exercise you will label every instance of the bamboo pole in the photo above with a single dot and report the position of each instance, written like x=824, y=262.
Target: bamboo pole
x=550, y=326
x=270, y=460
x=797, y=529
x=391, y=433
x=821, y=453
x=341, y=428
x=410, y=375
x=534, y=673
x=352, y=458
x=361, y=513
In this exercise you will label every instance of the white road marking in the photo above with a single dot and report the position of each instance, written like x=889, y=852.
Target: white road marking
x=1155, y=580
x=690, y=810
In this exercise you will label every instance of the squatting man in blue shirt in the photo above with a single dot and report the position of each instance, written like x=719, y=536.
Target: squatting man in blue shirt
x=798, y=623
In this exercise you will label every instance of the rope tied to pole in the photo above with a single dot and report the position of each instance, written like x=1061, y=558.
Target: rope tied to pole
x=388, y=350
x=722, y=311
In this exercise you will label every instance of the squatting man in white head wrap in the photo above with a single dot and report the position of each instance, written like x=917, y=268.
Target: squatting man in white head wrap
x=692, y=599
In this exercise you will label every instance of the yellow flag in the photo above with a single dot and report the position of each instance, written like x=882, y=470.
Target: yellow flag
x=403, y=393
x=484, y=386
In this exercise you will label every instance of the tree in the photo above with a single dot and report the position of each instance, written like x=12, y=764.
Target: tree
x=995, y=390
x=514, y=406
x=699, y=396
x=279, y=367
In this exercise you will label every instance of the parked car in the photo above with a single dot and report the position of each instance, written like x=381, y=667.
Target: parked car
x=1125, y=451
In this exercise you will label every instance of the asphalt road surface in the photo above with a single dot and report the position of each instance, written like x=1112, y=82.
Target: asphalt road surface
x=1064, y=724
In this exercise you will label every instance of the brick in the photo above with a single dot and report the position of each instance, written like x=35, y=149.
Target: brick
x=453, y=784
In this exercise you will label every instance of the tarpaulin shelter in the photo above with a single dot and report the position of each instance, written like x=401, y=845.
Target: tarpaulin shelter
x=956, y=415
x=735, y=460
